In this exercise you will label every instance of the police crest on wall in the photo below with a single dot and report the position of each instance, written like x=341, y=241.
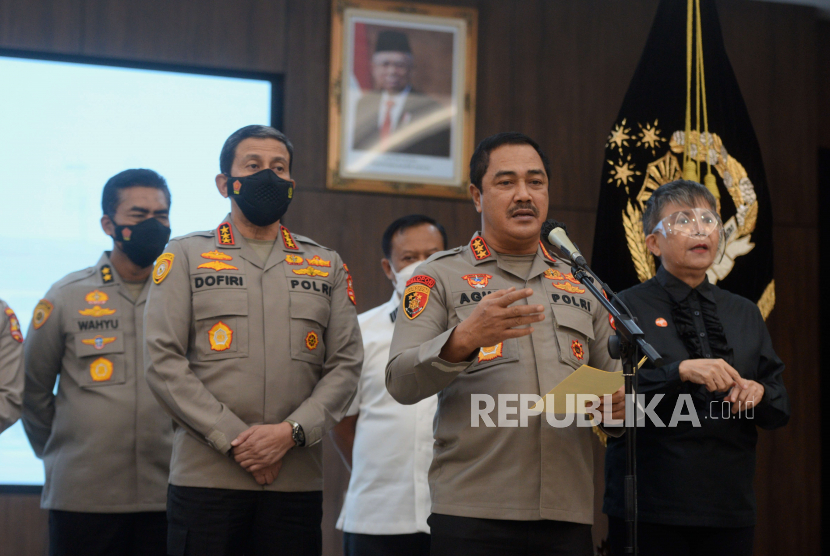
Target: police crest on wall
x=402, y=97
x=683, y=117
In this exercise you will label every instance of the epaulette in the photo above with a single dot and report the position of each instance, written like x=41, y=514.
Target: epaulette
x=304, y=239
x=202, y=233
x=442, y=254
x=73, y=277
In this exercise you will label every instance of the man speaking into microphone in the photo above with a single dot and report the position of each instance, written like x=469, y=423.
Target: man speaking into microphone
x=501, y=318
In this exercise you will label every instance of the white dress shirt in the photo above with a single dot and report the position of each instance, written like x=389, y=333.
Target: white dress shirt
x=388, y=491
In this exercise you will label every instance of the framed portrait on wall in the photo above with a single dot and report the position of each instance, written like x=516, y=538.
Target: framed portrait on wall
x=402, y=97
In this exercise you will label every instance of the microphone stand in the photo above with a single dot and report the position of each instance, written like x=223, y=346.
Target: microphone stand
x=626, y=346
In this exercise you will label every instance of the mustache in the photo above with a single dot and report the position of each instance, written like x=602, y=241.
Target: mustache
x=523, y=206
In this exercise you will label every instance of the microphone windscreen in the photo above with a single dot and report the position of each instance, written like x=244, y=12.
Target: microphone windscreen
x=549, y=225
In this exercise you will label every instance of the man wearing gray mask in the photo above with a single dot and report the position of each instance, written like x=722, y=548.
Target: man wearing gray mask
x=388, y=446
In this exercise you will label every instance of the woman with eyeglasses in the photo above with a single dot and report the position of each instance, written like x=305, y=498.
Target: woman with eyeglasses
x=719, y=381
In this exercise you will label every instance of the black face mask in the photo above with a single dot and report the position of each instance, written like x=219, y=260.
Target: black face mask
x=262, y=197
x=144, y=242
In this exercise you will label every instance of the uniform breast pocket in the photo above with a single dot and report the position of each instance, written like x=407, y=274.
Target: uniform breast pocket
x=309, y=319
x=489, y=356
x=574, y=333
x=101, y=360
x=221, y=324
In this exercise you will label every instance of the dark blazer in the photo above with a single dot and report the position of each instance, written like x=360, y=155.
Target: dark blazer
x=433, y=141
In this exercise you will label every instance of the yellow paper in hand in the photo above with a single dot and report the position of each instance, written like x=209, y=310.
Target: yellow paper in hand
x=584, y=380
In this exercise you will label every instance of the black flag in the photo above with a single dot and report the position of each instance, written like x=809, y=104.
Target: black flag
x=645, y=150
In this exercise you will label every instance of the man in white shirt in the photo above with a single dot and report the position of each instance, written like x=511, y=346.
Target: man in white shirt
x=388, y=446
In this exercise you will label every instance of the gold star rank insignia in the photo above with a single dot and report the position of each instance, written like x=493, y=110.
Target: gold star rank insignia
x=480, y=250
x=288, y=239
x=106, y=273
x=225, y=234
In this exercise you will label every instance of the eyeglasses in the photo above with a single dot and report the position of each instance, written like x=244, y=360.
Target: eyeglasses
x=693, y=222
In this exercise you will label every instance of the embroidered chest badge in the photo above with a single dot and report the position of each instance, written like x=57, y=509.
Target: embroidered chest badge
x=217, y=256
x=577, y=350
x=220, y=336
x=490, y=353
x=101, y=369
x=96, y=297
x=294, y=259
x=317, y=261
x=312, y=341
x=217, y=266
x=477, y=280
x=98, y=342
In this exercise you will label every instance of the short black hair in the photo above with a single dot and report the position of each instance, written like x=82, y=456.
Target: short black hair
x=481, y=157
x=684, y=193
x=259, y=131
x=136, y=177
x=405, y=222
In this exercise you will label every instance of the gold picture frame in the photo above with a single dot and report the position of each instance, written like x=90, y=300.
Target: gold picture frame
x=402, y=96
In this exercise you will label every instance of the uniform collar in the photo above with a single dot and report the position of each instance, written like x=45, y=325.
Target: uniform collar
x=108, y=276
x=228, y=237
x=680, y=290
x=481, y=253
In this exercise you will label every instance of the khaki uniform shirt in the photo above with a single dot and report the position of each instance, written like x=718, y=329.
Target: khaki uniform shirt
x=11, y=367
x=103, y=438
x=233, y=341
x=505, y=472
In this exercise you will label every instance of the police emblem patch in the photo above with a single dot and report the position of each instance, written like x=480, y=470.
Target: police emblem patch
x=162, y=267
x=98, y=342
x=490, y=353
x=288, y=239
x=237, y=185
x=42, y=311
x=477, y=280
x=309, y=271
x=96, y=297
x=97, y=311
x=317, y=261
x=661, y=322
x=225, y=234
x=14, y=326
x=216, y=256
x=415, y=299
x=220, y=336
x=311, y=340
x=217, y=266
x=480, y=250
x=294, y=259
x=126, y=233
x=106, y=273
x=577, y=350
x=101, y=369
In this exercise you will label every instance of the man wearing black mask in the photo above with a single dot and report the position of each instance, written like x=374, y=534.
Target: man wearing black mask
x=104, y=441
x=255, y=351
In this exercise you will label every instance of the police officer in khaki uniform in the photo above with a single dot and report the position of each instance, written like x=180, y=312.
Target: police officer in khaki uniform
x=502, y=316
x=255, y=351
x=103, y=438
x=11, y=367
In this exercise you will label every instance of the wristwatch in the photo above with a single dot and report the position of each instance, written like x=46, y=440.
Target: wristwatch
x=297, y=432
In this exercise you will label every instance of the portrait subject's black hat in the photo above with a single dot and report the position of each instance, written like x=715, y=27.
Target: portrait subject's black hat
x=392, y=41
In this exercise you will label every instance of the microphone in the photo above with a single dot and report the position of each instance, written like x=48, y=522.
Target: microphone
x=555, y=233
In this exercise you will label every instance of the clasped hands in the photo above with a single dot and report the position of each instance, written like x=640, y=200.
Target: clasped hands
x=719, y=376
x=260, y=449
x=496, y=319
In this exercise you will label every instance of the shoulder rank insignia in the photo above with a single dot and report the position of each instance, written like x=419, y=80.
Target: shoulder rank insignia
x=294, y=259
x=288, y=239
x=96, y=297
x=14, y=326
x=225, y=234
x=96, y=311
x=545, y=252
x=162, y=267
x=477, y=280
x=317, y=261
x=220, y=336
x=577, y=350
x=312, y=341
x=98, y=342
x=427, y=281
x=101, y=369
x=216, y=256
x=565, y=286
x=415, y=299
x=309, y=271
x=490, y=353
x=217, y=266
x=42, y=311
x=480, y=250
x=106, y=273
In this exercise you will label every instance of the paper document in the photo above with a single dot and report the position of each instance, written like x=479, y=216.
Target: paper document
x=584, y=380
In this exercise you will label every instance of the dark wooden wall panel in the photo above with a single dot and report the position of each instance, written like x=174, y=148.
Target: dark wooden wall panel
x=23, y=525
x=556, y=69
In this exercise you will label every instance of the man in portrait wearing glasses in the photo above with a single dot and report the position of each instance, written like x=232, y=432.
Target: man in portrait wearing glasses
x=395, y=117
